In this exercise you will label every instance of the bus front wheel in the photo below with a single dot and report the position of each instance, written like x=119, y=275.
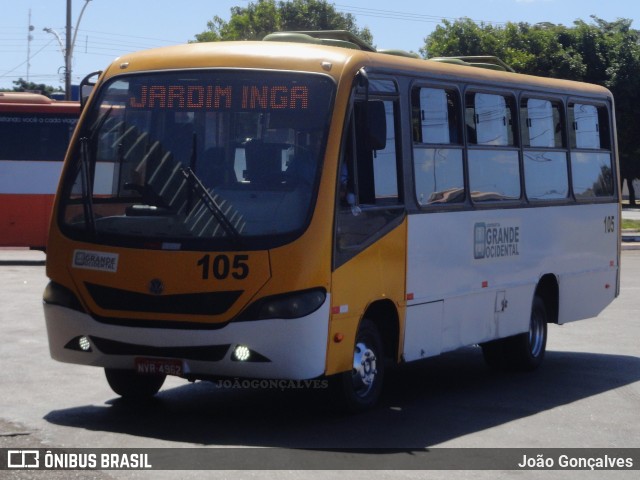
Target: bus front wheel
x=133, y=386
x=523, y=352
x=360, y=388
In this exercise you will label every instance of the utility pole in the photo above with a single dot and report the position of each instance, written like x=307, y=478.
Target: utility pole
x=67, y=50
x=67, y=56
x=29, y=38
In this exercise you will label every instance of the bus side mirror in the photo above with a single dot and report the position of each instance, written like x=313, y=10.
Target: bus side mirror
x=86, y=87
x=376, y=124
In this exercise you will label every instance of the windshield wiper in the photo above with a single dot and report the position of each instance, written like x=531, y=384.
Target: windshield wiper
x=100, y=123
x=87, y=185
x=86, y=180
x=192, y=169
x=210, y=202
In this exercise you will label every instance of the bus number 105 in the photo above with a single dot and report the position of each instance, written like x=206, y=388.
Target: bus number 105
x=222, y=266
x=609, y=224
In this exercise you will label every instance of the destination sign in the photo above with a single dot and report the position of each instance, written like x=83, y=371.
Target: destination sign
x=221, y=97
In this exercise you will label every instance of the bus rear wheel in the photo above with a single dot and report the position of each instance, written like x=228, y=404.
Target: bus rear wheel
x=131, y=385
x=523, y=352
x=360, y=388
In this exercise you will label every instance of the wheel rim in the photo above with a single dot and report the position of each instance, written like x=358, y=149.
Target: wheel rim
x=536, y=334
x=364, y=370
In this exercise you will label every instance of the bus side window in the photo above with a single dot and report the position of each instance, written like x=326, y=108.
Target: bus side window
x=546, y=173
x=494, y=167
x=491, y=120
x=591, y=160
x=434, y=116
x=538, y=126
x=369, y=193
x=376, y=152
x=375, y=163
x=437, y=149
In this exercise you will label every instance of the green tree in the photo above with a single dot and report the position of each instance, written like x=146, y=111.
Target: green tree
x=452, y=38
x=623, y=79
x=263, y=17
x=528, y=49
x=21, y=85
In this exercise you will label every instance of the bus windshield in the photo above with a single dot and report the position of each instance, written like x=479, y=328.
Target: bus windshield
x=186, y=158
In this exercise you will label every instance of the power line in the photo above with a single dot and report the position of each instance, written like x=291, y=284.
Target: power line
x=13, y=44
x=373, y=12
x=18, y=66
x=161, y=40
x=405, y=16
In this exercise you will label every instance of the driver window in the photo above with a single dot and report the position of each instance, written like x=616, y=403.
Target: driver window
x=369, y=190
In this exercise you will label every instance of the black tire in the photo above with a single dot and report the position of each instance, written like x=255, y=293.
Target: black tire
x=523, y=352
x=359, y=389
x=526, y=351
x=133, y=386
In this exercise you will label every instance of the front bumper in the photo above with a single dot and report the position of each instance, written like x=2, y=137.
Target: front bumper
x=293, y=349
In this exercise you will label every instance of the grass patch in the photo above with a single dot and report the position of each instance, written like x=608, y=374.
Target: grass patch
x=630, y=224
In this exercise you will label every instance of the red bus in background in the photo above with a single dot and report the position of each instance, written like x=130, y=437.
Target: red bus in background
x=34, y=134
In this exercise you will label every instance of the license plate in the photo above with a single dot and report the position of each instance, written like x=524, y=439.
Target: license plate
x=159, y=366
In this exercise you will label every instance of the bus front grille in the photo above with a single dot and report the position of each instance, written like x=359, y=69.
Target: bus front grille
x=207, y=303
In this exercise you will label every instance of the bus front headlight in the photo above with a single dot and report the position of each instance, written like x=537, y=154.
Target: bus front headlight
x=292, y=305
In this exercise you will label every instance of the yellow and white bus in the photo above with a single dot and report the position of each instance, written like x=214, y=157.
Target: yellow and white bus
x=306, y=207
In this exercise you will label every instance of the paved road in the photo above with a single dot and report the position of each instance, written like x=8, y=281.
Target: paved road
x=586, y=395
x=631, y=213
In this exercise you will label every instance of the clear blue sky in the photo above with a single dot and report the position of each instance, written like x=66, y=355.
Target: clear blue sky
x=110, y=28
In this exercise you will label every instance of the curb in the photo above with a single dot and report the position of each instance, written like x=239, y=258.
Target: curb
x=630, y=244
